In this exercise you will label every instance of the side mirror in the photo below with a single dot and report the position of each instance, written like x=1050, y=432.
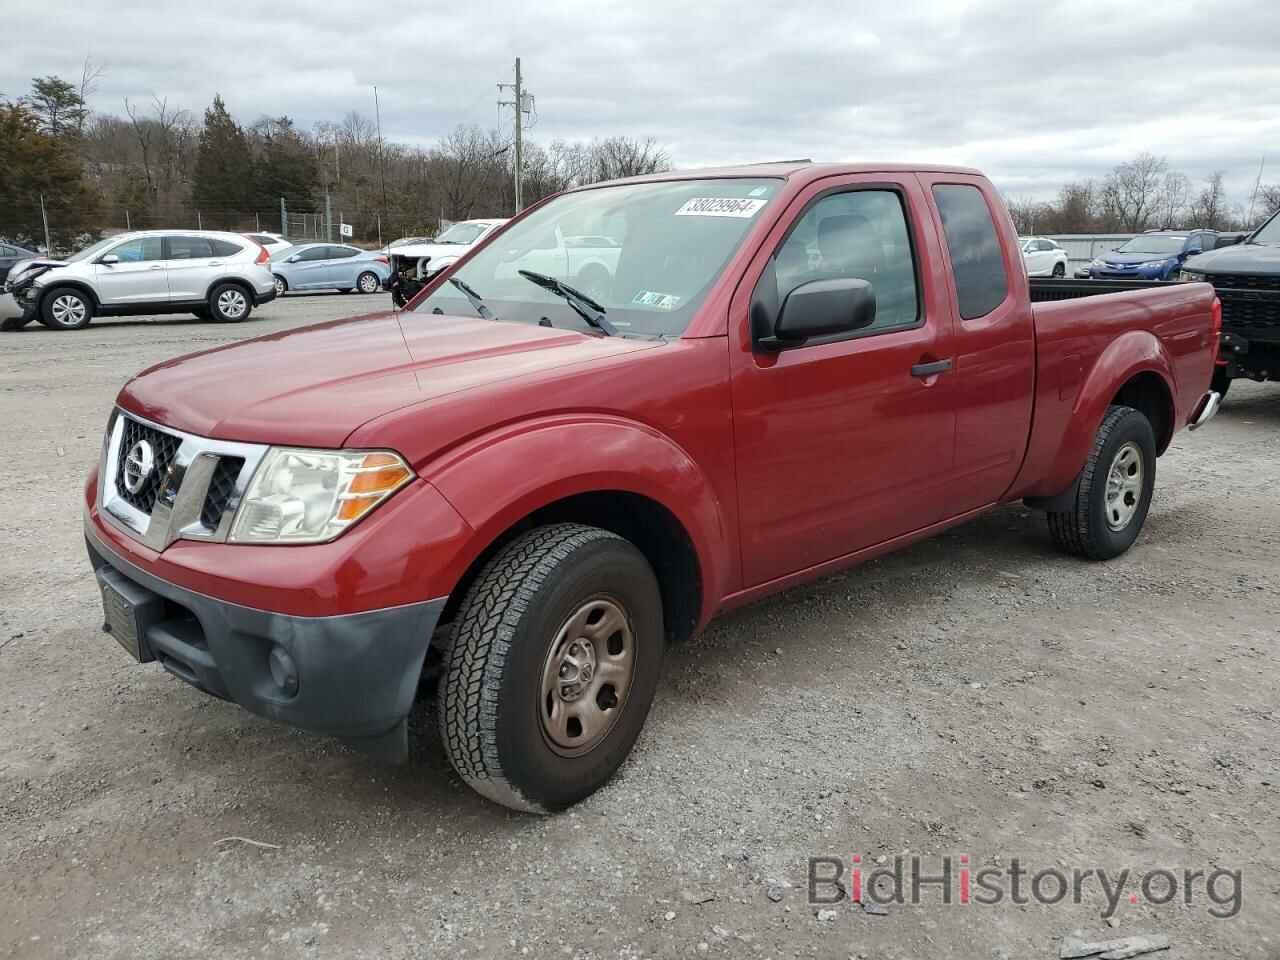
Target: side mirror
x=821, y=308
x=294, y=259
x=109, y=260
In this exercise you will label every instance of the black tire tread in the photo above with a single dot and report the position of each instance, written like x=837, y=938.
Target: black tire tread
x=484, y=629
x=1070, y=528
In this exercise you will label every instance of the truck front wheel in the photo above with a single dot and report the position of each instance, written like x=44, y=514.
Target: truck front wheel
x=555, y=658
x=1114, y=491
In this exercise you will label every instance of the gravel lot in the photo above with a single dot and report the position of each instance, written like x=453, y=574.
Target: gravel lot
x=978, y=694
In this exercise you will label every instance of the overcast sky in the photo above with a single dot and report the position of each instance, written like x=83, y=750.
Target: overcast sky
x=1035, y=92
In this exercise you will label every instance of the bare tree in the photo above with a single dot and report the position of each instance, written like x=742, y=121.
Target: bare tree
x=1268, y=199
x=627, y=157
x=1211, y=209
x=1175, y=193
x=1131, y=192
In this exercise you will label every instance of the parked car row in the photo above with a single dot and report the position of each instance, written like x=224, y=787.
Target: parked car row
x=212, y=274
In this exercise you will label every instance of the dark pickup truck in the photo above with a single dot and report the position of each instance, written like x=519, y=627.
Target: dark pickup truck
x=508, y=499
x=1246, y=277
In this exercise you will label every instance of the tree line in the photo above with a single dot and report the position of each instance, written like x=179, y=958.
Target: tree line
x=1143, y=194
x=155, y=164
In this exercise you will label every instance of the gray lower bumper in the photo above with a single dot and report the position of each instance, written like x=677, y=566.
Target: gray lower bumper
x=353, y=676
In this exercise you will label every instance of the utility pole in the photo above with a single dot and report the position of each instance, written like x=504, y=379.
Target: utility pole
x=382, y=149
x=44, y=215
x=284, y=219
x=328, y=216
x=521, y=104
x=1256, y=185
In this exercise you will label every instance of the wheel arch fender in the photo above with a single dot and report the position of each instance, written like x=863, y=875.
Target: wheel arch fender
x=563, y=457
x=79, y=285
x=1134, y=357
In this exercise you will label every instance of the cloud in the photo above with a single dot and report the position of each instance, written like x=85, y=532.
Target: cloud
x=1034, y=93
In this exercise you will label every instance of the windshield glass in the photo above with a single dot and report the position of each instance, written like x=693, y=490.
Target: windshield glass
x=92, y=251
x=461, y=233
x=1161, y=246
x=670, y=242
x=1269, y=232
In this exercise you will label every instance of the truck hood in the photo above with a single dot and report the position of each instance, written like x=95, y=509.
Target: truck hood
x=1241, y=258
x=313, y=386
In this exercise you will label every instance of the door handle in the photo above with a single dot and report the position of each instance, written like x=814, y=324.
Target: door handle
x=155, y=266
x=931, y=368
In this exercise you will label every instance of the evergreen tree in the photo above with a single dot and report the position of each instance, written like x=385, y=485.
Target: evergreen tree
x=57, y=105
x=287, y=168
x=36, y=164
x=222, y=187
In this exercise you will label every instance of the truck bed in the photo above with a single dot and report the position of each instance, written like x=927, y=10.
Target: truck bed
x=1047, y=289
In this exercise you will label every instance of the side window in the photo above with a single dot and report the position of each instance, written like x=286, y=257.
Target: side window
x=189, y=248
x=858, y=235
x=974, y=248
x=342, y=253
x=314, y=253
x=7, y=251
x=224, y=248
x=138, y=251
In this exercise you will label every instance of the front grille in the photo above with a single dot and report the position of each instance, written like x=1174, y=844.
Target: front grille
x=1245, y=281
x=1253, y=318
x=164, y=447
x=221, y=489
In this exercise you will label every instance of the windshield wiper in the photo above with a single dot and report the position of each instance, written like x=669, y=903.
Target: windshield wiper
x=472, y=297
x=582, y=305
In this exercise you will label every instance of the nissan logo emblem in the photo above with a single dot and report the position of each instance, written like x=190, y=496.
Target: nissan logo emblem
x=138, y=466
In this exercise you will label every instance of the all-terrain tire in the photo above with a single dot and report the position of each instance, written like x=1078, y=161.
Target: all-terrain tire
x=509, y=627
x=1085, y=530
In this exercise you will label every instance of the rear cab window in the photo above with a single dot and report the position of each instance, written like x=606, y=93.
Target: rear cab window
x=973, y=246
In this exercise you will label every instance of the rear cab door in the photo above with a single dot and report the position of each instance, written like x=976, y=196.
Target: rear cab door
x=845, y=442
x=995, y=348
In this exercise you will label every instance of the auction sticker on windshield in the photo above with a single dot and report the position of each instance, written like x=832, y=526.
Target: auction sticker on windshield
x=721, y=207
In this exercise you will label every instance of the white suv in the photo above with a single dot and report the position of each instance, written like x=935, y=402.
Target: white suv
x=216, y=276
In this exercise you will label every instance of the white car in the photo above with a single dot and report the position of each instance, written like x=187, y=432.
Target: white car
x=1043, y=257
x=272, y=242
x=216, y=276
x=414, y=263
x=587, y=262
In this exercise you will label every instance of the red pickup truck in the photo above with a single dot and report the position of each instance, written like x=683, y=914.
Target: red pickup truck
x=509, y=498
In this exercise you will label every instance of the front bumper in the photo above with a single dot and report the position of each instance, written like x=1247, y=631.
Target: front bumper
x=1205, y=410
x=352, y=676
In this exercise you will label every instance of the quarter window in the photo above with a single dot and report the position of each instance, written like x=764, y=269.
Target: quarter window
x=224, y=248
x=189, y=248
x=974, y=247
x=859, y=235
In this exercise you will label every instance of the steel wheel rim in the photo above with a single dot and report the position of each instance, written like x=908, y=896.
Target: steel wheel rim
x=1124, y=486
x=68, y=309
x=368, y=283
x=586, y=677
x=231, y=303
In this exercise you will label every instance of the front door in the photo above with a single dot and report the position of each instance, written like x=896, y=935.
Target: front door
x=844, y=443
x=136, y=276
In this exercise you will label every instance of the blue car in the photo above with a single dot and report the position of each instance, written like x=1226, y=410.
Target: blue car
x=1155, y=255
x=329, y=266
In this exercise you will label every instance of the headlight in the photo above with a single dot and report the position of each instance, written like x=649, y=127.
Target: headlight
x=435, y=266
x=1096, y=262
x=1191, y=276
x=310, y=496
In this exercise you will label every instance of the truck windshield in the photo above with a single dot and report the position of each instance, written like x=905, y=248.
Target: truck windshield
x=646, y=252
x=1269, y=232
x=1161, y=246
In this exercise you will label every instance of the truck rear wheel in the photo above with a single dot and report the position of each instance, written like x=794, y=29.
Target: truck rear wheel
x=555, y=658
x=1114, y=490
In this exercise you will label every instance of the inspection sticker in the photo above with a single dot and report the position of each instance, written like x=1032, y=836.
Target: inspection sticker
x=662, y=301
x=738, y=207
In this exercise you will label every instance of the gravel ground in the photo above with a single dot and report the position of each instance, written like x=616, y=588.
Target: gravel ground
x=978, y=694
